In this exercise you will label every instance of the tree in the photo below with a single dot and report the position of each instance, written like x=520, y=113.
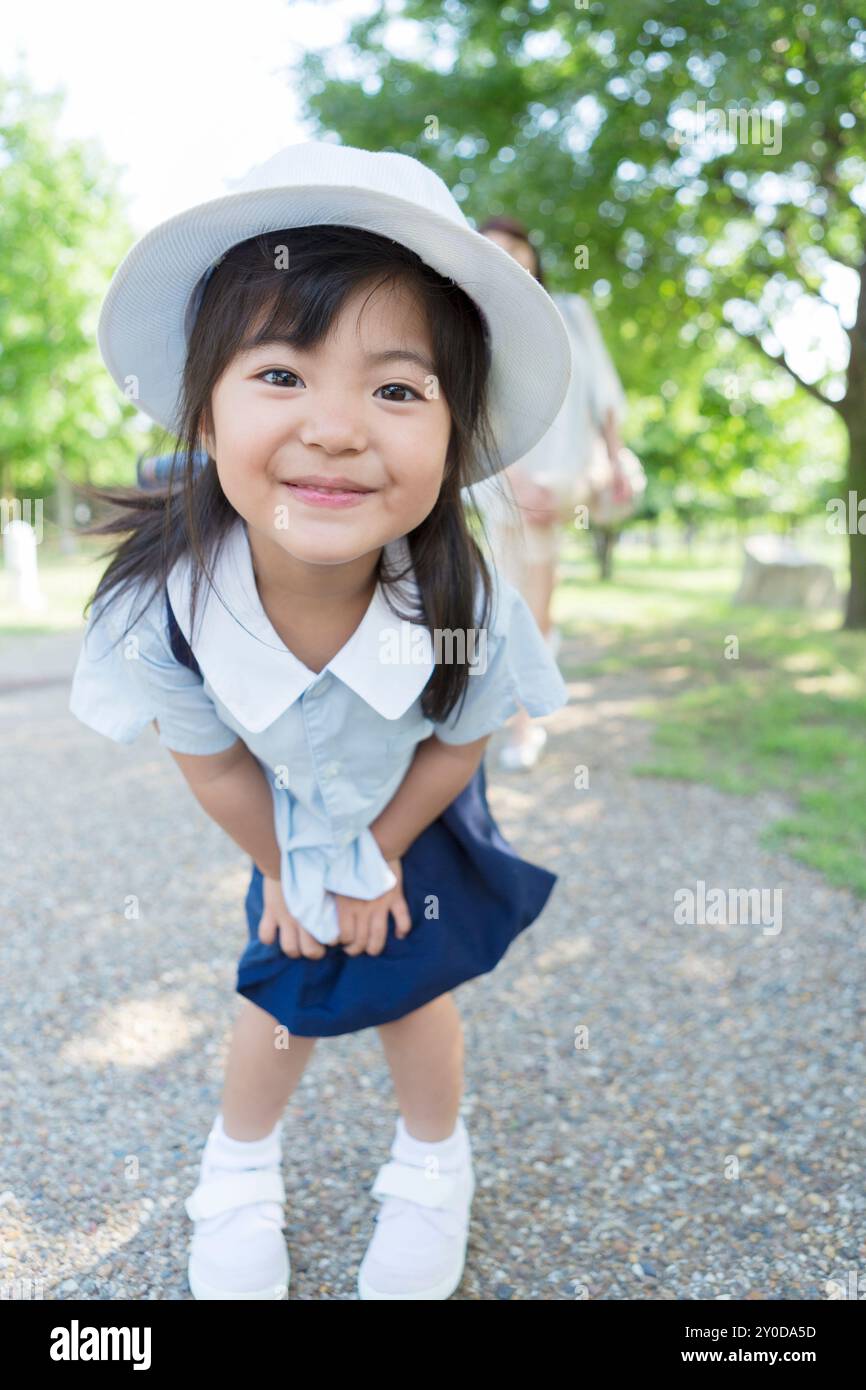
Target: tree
x=62, y=234
x=692, y=165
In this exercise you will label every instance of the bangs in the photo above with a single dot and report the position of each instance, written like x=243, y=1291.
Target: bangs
x=287, y=287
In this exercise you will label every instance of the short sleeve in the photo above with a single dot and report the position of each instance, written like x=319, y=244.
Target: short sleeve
x=123, y=682
x=517, y=670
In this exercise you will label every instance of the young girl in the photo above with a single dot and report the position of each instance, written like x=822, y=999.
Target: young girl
x=311, y=628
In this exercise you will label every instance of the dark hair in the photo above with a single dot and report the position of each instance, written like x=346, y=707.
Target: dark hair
x=516, y=229
x=247, y=291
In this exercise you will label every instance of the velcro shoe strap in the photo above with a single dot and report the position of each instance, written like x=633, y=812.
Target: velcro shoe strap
x=235, y=1190
x=396, y=1179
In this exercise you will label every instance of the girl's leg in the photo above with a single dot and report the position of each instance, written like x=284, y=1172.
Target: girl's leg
x=538, y=591
x=528, y=559
x=424, y=1051
x=261, y=1073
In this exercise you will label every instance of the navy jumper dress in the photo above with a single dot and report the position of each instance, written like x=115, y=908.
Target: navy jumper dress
x=469, y=895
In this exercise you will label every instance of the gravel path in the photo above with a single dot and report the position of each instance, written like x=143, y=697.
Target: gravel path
x=707, y=1142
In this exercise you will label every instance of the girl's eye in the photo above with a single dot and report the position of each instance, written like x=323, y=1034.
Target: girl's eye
x=276, y=371
x=392, y=386
x=398, y=386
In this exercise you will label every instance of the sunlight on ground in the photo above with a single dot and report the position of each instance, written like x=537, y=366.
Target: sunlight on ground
x=136, y=1034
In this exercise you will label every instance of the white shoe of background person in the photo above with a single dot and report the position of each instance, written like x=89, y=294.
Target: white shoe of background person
x=522, y=757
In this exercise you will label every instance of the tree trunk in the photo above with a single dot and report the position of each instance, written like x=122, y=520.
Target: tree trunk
x=604, y=542
x=853, y=412
x=855, y=608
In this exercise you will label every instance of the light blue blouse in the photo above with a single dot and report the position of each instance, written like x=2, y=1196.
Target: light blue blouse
x=334, y=745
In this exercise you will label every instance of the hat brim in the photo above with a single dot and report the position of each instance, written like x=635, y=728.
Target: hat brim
x=144, y=317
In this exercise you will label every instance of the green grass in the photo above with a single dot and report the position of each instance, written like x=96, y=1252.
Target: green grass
x=788, y=712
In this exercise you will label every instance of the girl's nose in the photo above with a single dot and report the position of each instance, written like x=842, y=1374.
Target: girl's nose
x=330, y=415
x=335, y=431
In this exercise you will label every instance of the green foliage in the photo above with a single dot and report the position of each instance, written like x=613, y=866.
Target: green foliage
x=578, y=121
x=62, y=235
x=581, y=120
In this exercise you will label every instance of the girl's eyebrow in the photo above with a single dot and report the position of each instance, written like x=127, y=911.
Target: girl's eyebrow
x=374, y=358
x=400, y=355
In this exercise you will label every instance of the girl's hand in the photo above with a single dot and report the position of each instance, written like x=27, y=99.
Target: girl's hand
x=364, y=922
x=276, y=919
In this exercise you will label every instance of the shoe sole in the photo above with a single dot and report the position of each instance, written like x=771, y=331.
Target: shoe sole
x=272, y=1294
x=442, y=1290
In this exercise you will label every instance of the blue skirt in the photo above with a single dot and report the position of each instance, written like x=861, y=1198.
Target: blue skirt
x=486, y=896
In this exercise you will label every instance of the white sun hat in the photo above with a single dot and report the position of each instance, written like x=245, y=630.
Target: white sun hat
x=154, y=295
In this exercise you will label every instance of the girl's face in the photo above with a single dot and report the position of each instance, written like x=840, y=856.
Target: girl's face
x=354, y=408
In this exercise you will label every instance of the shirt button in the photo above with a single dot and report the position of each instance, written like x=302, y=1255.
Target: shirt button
x=332, y=769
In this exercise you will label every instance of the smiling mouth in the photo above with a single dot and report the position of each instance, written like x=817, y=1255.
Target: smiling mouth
x=342, y=491
x=322, y=495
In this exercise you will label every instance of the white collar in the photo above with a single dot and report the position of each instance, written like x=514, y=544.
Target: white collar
x=253, y=673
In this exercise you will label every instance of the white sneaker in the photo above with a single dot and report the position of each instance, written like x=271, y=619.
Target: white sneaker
x=520, y=757
x=237, y=1249
x=418, y=1249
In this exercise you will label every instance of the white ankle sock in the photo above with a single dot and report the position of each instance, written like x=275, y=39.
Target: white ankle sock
x=448, y=1151
x=243, y=1153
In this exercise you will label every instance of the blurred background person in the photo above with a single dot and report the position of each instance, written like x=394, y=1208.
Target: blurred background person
x=584, y=441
